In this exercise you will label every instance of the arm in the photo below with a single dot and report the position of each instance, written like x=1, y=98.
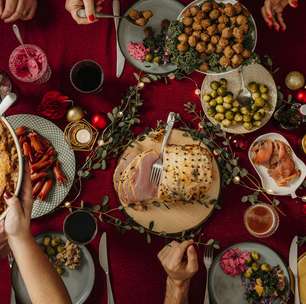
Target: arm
x=180, y=262
x=41, y=280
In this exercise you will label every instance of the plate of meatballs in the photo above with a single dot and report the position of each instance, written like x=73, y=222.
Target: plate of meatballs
x=223, y=34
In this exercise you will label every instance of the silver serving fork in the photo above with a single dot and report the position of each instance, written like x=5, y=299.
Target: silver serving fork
x=157, y=168
x=207, y=258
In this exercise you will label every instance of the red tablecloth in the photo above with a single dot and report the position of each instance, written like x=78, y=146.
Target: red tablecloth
x=137, y=276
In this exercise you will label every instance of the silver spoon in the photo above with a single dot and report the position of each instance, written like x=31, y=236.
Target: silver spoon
x=32, y=64
x=244, y=96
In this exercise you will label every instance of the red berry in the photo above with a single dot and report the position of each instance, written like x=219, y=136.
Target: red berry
x=98, y=120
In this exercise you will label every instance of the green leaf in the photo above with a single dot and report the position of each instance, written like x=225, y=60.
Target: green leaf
x=243, y=172
x=110, y=116
x=96, y=166
x=141, y=230
x=103, y=164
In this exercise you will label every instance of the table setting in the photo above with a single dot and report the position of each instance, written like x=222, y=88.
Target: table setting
x=162, y=121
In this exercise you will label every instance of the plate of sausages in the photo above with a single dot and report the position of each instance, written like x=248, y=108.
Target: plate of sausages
x=51, y=161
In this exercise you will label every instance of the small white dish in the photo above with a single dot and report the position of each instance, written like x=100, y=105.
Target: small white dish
x=267, y=181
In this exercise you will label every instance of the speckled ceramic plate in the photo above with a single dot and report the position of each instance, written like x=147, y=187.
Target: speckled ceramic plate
x=79, y=283
x=224, y=289
x=65, y=155
x=253, y=72
x=127, y=32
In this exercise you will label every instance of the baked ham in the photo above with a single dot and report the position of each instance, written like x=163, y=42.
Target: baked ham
x=276, y=156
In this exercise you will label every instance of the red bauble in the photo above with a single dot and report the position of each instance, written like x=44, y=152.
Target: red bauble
x=98, y=120
x=301, y=95
x=240, y=143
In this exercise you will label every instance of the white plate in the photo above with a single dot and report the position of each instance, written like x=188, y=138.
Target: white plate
x=66, y=156
x=253, y=72
x=267, y=181
x=200, y=2
x=127, y=32
x=79, y=283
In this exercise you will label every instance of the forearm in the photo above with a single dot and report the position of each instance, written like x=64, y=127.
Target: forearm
x=176, y=293
x=41, y=280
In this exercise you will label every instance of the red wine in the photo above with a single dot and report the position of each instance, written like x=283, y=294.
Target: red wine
x=80, y=227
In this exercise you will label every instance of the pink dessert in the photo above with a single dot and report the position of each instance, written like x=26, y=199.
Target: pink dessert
x=233, y=261
x=28, y=70
x=137, y=50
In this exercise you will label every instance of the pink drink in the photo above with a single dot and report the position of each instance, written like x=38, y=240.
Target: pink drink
x=23, y=70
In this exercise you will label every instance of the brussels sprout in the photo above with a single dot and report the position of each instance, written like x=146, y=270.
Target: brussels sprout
x=234, y=123
x=206, y=98
x=248, y=125
x=265, y=267
x=247, y=118
x=255, y=95
x=262, y=112
x=211, y=111
x=235, y=109
x=221, y=91
x=226, y=123
x=236, y=103
x=255, y=255
x=254, y=107
x=156, y=59
x=228, y=98
x=267, y=107
x=214, y=85
x=252, y=86
x=220, y=109
x=238, y=117
x=247, y=274
x=244, y=110
x=55, y=241
x=227, y=106
x=60, y=248
x=229, y=115
x=213, y=103
x=148, y=58
x=263, y=88
x=265, y=96
x=213, y=94
x=223, y=81
x=259, y=102
x=257, y=123
x=59, y=270
x=255, y=266
x=257, y=116
x=50, y=251
x=219, y=116
x=46, y=241
x=219, y=100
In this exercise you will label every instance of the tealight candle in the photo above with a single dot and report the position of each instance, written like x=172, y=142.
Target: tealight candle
x=83, y=136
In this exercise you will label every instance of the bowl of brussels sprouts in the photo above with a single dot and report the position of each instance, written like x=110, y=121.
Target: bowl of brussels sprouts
x=221, y=106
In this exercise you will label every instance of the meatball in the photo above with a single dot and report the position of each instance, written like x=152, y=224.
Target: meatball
x=214, y=39
x=192, y=41
x=200, y=47
x=223, y=19
x=246, y=53
x=238, y=48
x=227, y=33
x=205, y=37
x=233, y=20
x=187, y=13
x=236, y=60
x=229, y=10
x=196, y=26
x=199, y=16
x=197, y=34
x=211, y=30
x=182, y=47
x=221, y=26
x=187, y=21
x=241, y=19
x=225, y=62
x=194, y=10
x=188, y=30
x=228, y=52
x=244, y=27
x=207, y=7
x=214, y=14
x=183, y=38
x=210, y=48
x=205, y=23
x=223, y=42
x=204, y=67
x=237, y=33
x=238, y=8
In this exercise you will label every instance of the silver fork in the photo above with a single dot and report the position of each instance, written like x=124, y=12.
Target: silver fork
x=207, y=258
x=157, y=168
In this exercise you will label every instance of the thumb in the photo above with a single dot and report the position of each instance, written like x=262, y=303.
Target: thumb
x=90, y=10
x=293, y=3
x=13, y=203
x=192, y=259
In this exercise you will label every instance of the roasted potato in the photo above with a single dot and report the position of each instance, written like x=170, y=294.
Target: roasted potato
x=197, y=34
x=227, y=33
x=238, y=48
x=187, y=21
x=188, y=30
x=205, y=37
x=197, y=26
x=241, y=19
x=183, y=38
x=207, y=7
x=229, y=10
x=228, y=52
x=192, y=41
x=211, y=30
x=205, y=23
x=236, y=60
x=210, y=48
x=204, y=67
x=214, y=39
x=194, y=10
x=223, y=42
x=214, y=14
x=224, y=61
x=200, y=47
x=223, y=19
x=182, y=47
x=221, y=26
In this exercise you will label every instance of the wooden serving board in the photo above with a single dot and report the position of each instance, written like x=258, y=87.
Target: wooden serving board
x=179, y=217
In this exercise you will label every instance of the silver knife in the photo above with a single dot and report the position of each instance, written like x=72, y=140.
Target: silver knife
x=293, y=255
x=120, y=57
x=104, y=263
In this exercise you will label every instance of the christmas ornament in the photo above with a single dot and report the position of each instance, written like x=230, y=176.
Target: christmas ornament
x=301, y=95
x=120, y=114
x=53, y=105
x=99, y=121
x=75, y=113
x=295, y=80
x=236, y=180
x=304, y=199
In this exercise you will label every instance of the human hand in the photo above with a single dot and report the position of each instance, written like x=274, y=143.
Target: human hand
x=4, y=248
x=91, y=6
x=272, y=12
x=178, y=268
x=12, y=10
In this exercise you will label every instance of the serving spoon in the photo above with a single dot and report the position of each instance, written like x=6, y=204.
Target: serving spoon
x=244, y=96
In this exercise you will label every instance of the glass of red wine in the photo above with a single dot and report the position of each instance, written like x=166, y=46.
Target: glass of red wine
x=87, y=76
x=80, y=227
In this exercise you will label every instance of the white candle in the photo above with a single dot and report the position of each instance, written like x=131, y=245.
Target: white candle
x=83, y=136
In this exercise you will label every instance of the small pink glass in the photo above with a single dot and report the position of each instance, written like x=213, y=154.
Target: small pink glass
x=18, y=64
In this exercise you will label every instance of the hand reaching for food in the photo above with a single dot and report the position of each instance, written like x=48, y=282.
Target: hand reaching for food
x=272, y=12
x=91, y=7
x=180, y=262
x=13, y=10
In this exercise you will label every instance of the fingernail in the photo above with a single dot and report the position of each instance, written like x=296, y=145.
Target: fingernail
x=294, y=4
x=283, y=29
x=91, y=18
x=7, y=195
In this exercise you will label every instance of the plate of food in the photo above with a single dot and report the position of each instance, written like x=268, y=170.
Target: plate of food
x=51, y=161
x=11, y=163
x=212, y=37
x=219, y=99
x=302, y=277
x=249, y=273
x=188, y=189
x=144, y=47
x=73, y=263
x=280, y=170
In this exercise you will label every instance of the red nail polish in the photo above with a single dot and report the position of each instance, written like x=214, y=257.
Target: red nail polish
x=294, y=4
x=7, y=195
x=91, y=18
